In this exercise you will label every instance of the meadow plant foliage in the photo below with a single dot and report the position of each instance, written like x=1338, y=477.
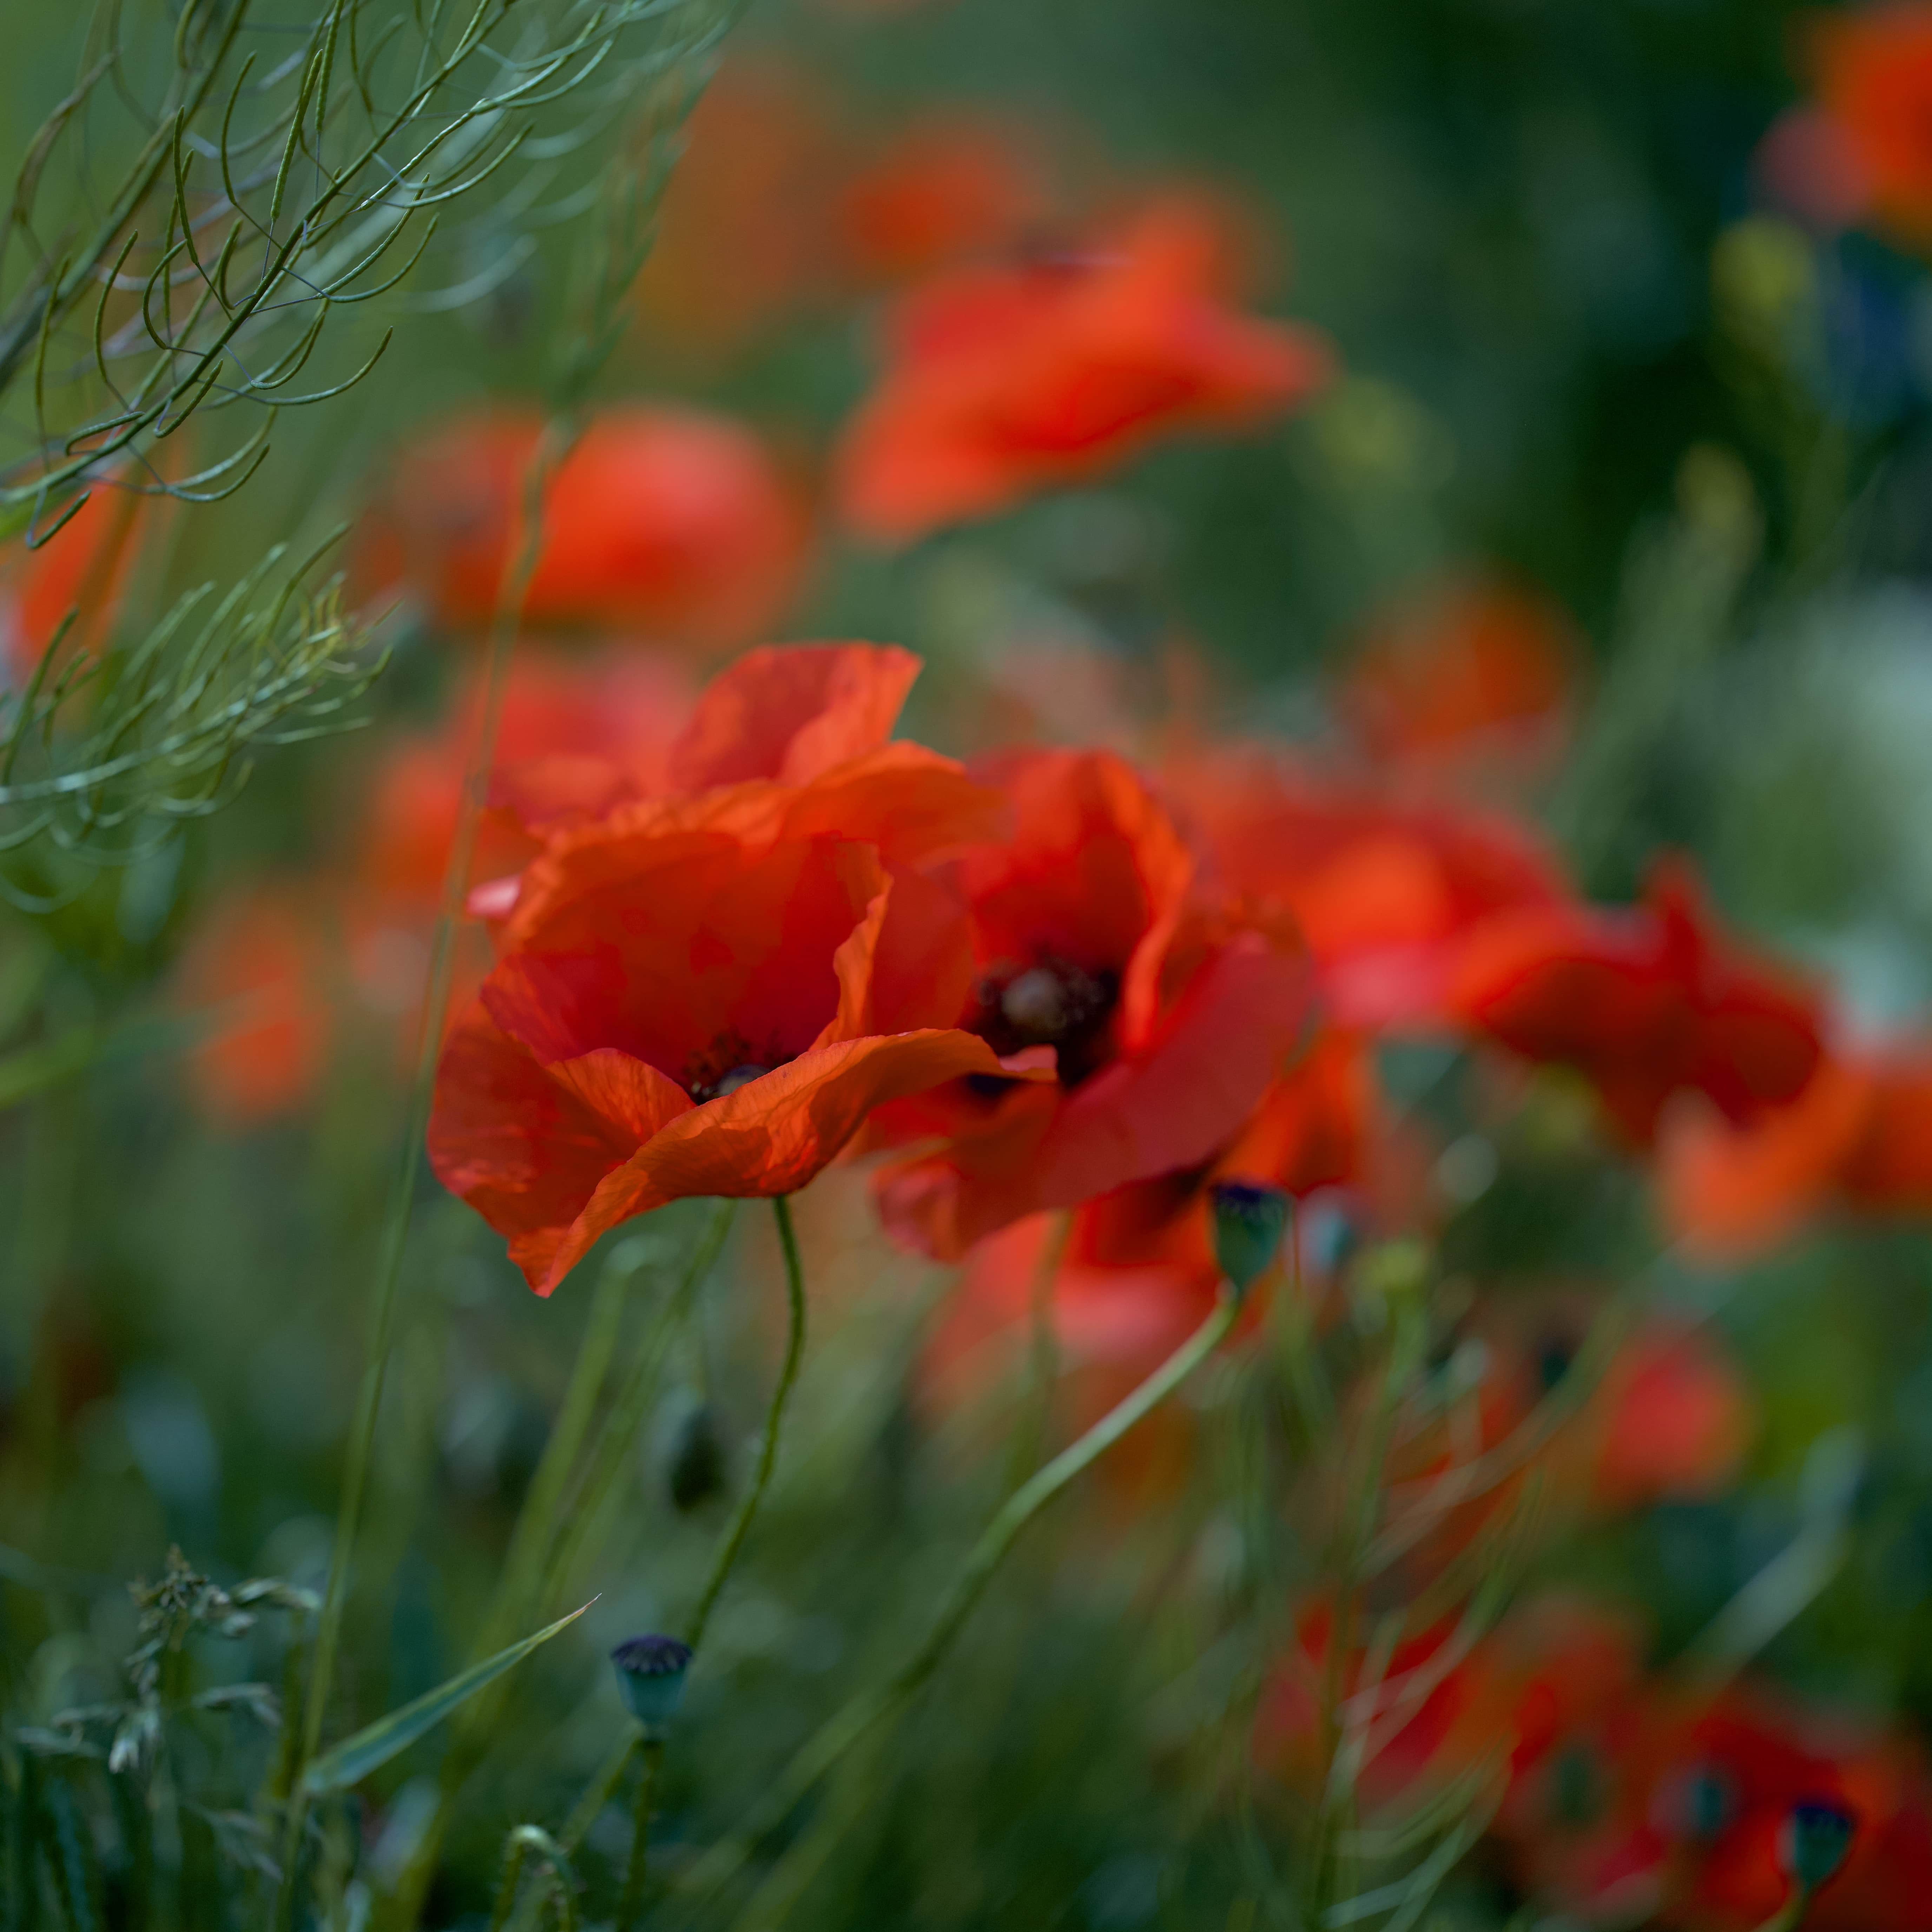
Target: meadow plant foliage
x=205, y=233
x=1232, y=1237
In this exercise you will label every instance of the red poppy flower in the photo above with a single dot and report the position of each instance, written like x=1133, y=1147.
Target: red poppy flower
x=1137, y=1273
x=1874, y=86
x=1164, y=1021
x=946, y=188
x=682, y=1007
x=1003, y=381
x=1461, y=677
x=670, y=524
x=1858, y=1137
x=707, y=993
x=82, y=567
x=1670, y=1419
x=1644, y=1004
x=577, y=735
x=1388, y=892
x=255, y=971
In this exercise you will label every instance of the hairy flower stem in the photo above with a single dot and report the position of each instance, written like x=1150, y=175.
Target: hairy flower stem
x=632, y=1903
x=768, y=1449
x=385, y=1293
x=882, y=1701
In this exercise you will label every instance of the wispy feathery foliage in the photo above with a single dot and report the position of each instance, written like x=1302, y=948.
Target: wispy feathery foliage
x=273, y=168
x=102, y=753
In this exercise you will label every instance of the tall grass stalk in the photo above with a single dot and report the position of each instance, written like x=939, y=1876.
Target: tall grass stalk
x=386, y=1289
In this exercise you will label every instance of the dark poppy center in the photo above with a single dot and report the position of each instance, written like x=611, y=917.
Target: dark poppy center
x=728, y=1063
x=1051, y=1003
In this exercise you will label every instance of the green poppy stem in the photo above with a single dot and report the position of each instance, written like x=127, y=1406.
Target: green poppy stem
x=1789, y=1917
x=733, y=1541
x=768, y=1449
x=633, y=1901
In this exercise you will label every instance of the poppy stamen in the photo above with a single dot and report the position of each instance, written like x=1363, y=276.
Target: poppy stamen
x=1051, y=1003
x=729, y=1062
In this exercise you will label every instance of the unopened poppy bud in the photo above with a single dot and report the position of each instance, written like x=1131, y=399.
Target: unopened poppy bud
x=1250, y=1217
x=651, y=1672
x=1816, y=1835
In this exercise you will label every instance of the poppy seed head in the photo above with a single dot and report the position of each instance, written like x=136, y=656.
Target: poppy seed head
x=651, y=1656
x=1250, y=1218
x=1816, y=1836
x=651, y=1673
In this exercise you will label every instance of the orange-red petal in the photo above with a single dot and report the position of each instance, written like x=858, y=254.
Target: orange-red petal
x=770, y=1137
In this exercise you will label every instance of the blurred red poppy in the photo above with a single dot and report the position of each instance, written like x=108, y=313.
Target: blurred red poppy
x=1564, y=1689
x=1388, y=891
x=748, y=232
x=1671, y=1419
x=256, y=972
x=1003, y=381
x=1408, y=1711
x=1725, y=1786
x=1658, y=1805
x=1163, y=1018
x=82, y=567
x=1858, y=1137
x=671, y=524
x=576, y=735
x=1873, y=68
x=945, y=189
x=1644, y=1004
x=1461, y=679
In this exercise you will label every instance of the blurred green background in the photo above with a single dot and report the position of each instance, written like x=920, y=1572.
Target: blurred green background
x=1580, y=347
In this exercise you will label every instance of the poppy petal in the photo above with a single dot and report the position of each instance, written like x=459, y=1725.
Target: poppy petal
x=769, y=1137
x=525, y=1147
x=790, y=712
x=1168, y=1107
